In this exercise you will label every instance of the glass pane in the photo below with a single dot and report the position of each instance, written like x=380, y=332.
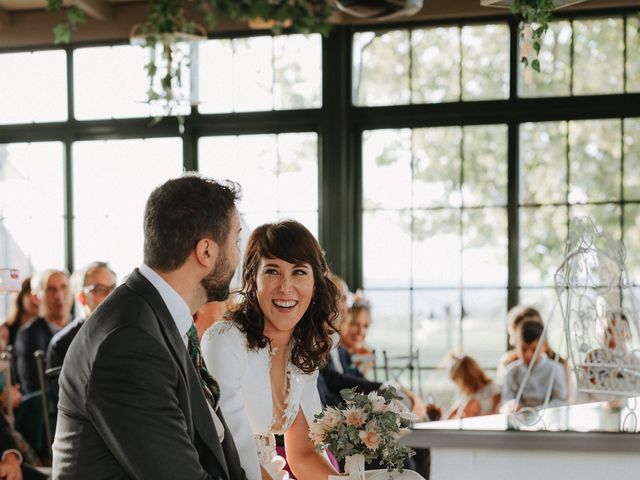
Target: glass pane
x=606, y=217
x=554, y=79
x=297, y=171
x=484, y=244
x=32, y=206
x=386, y=248
x=389, y=328
x=277, y=173
x=381, y=68
x=252, y=74
x=632, y=158
x=543, y=156
x=633, y=59
x=386, y=168
x=485, y=62
x=436, y=248
x=111, y=82
x=298, y=71
x=250, y=160
x=598, y=58
x=485, y=165
x=632, y=242
x=543, y=233
x=484, y=326
x=436, y=166
x=26, y=95
x=439, y=385
x=435, y=65
x=260, y=73
x=128, y=171
x=436, y=324
x=215, y=76
x=595, y=160
x=545, y=301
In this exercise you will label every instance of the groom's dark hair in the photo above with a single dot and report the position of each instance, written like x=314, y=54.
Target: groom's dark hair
x=181, y=212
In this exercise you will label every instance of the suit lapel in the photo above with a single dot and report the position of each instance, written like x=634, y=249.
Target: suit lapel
x=201, y=415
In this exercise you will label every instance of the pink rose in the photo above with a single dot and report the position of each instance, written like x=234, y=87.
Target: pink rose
x=316, y=433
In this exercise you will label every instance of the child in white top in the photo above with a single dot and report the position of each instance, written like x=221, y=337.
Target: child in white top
x=478, y=395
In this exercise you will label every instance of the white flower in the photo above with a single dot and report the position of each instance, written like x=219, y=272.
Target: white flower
x=317, y=432
x=377, y=402
x=332, y=418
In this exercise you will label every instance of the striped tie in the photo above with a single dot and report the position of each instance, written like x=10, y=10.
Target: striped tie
x=209, y=385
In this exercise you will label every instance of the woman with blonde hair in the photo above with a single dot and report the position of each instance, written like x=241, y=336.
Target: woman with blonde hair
x=478, y=394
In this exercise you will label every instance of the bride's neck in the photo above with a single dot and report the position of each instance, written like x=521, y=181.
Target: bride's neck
x=279, y=339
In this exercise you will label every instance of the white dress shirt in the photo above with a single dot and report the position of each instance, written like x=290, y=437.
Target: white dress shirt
x=180, y=313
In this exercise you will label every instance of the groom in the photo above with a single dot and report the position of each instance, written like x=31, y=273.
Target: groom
x=135, y=398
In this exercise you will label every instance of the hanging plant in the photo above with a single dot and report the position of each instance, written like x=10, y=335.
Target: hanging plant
x=535, y=18
x=75, y=16
x=166, y=29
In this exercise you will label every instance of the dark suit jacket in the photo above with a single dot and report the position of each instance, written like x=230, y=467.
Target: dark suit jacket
x=331, y=381
x=131, y=404
x=57, y=350
x=35, y=335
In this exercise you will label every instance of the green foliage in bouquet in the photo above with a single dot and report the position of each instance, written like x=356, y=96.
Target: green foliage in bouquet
x=369, y=425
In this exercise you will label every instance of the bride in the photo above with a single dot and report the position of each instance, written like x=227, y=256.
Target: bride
x=267, y=352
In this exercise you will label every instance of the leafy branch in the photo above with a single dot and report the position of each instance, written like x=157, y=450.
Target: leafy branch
x=536, y=16
x=75, y=16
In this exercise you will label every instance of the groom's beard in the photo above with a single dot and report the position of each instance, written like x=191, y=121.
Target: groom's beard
x=216, y=284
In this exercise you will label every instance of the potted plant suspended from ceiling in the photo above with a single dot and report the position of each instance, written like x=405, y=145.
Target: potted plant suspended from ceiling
x=169, y=34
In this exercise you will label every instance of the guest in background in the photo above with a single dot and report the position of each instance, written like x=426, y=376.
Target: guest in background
x=543, y=373
x=23, y=308
x=516, y=317
x=353, y=332
x=208, y=314
x=12, y=466
x=92, y=285
x=477, y=394
x=52, y=289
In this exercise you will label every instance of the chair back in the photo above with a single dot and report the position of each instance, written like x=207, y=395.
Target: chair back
x=397, y=365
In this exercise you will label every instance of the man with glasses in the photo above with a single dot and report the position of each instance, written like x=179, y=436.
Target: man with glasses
x=92, y=284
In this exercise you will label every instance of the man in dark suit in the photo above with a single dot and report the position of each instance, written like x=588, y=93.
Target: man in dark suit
x=132, y=403
x=52, y=288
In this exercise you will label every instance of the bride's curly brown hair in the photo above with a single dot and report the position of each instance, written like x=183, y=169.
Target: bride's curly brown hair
x=290, y=241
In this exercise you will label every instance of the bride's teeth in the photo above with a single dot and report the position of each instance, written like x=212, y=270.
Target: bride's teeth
x=280, y=303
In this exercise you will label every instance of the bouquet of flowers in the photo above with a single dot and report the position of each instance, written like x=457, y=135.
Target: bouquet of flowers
x=364, y=428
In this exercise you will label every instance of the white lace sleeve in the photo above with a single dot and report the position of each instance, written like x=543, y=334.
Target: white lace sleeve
x=225, y=354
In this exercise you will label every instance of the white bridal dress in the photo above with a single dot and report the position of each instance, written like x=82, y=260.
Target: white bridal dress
x=247, y=403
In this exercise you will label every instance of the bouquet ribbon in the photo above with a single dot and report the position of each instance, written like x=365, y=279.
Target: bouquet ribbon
x=354, y=466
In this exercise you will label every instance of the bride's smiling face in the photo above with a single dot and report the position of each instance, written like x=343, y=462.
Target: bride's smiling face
x=284, y=292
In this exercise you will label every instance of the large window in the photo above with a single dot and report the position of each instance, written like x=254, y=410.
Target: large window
x=440, y=260
x=437, y=172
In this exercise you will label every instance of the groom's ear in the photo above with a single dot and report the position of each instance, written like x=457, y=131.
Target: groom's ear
x=206, y=252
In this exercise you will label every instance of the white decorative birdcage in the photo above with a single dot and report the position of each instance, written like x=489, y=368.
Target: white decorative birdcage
x=600, y=319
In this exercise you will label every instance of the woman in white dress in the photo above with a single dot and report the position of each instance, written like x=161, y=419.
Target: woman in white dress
x=267, y=353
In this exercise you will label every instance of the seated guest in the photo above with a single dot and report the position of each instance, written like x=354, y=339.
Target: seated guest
x=52, y=288
x=515, y=317
x=544, y=372
x=353, y=332
x=12, y=466
x=477, y=394
x=24, y=307
x=96, y=281
x=340, y=372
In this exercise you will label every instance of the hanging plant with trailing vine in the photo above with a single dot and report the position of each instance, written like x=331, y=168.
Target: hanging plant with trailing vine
x=535, y=18
x=166, y=28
